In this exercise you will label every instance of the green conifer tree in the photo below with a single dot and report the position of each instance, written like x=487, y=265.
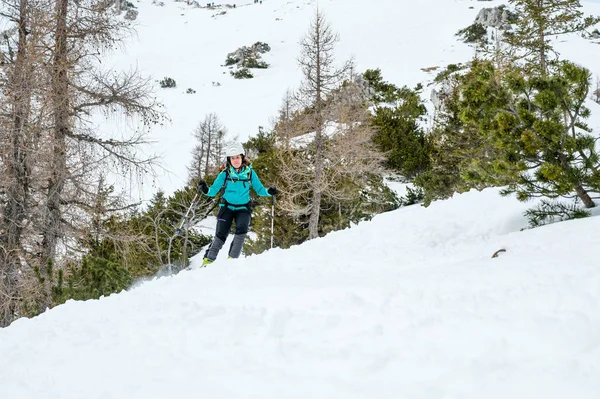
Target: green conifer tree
x=398, y=123
x=538, y=125
x=461, y=155
x=540, y=20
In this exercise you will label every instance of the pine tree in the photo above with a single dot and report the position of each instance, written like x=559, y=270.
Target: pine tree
x=399, y=132
x=461, y=155
x=537, y=123
x=540, y=20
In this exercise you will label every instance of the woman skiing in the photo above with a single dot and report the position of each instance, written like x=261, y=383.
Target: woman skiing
x=235, y=182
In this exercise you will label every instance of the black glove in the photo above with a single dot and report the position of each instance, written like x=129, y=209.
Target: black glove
x=202, y=186
x=272, y=190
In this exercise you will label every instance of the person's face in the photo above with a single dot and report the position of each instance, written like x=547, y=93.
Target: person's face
x=236, y=161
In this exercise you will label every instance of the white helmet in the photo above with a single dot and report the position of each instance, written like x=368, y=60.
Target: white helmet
x=234, y=149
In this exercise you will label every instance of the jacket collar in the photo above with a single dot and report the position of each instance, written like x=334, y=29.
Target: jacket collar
x=243, y=170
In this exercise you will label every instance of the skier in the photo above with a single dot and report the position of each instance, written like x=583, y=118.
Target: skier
x=235, y=181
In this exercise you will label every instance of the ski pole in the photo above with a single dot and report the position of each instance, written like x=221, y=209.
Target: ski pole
x=272, y=217
x=215, y=203
x=178, y=229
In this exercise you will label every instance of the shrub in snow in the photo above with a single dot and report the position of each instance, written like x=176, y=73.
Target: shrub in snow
x=249, y=57
x=450, y=69
x=552, y=211
x=475, y=33
x=252, y=62
x=261, y=47
x=413, y=196
x=380, y=91
x=190, y=91
x=167, y=83
x=231, y=60
x=243, y=73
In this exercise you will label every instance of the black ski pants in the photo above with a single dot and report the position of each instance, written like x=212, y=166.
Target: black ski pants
x=225, y=218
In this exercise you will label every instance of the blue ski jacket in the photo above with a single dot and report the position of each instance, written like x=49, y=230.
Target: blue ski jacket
x=237, y=187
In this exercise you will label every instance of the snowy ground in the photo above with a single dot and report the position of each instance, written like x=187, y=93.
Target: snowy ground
x=410, y=305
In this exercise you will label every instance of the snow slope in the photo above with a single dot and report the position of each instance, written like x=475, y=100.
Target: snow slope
x=189, y=44
x=410, y=305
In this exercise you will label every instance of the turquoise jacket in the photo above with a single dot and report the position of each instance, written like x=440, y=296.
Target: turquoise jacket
x=237, y=189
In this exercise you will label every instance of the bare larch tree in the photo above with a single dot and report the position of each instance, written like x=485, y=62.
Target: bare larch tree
x=55, y=159
x=20, y=83
x=321, y=76
x=208, y=153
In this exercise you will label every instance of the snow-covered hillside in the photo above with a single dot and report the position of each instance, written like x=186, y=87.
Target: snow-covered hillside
x=404, y=38
x=410, y=305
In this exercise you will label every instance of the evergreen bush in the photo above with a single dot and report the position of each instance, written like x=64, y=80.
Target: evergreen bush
x=243, y=73
x=92, y=278
x=413, y=196
x=231, y=60
x=252, y=62
x=475, y=33
x=449, y=70
x=261, y=47
x=384, y=91
x=168, y=83
x=552, y=211
x=399, y=133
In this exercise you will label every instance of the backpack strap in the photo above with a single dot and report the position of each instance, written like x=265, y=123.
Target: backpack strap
x=249, y=205
x=227, y=178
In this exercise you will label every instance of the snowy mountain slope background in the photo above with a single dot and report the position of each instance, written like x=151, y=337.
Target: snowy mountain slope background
x=409, y=305
x=189, y=44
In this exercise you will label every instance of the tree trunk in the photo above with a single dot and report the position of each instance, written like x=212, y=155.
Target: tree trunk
x=315, y=206
x=18, y=91
x=585, y=197
x=18, y=187
x=542, y=55
x=60, y=108
x=581, y=192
